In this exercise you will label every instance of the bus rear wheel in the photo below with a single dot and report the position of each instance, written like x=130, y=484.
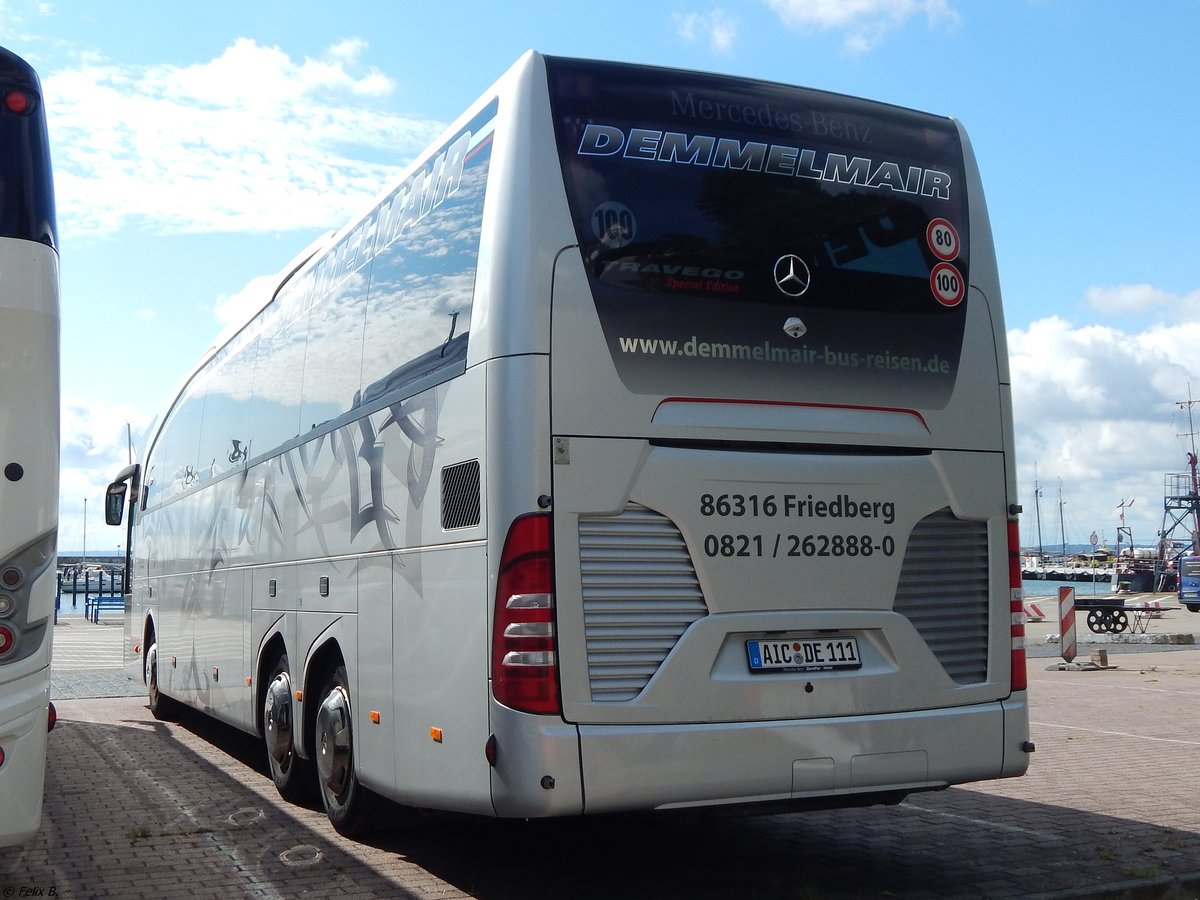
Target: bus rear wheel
x=292, y=774
x=345, y=800
x=161, y=706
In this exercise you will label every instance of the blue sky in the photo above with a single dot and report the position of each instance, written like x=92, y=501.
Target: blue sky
x=198, y=149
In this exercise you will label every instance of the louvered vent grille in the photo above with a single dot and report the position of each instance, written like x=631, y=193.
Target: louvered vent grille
x=640, y=594
x=943, y=591
x=460, y=495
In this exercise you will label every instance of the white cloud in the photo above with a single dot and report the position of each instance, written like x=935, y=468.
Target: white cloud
x=1099, y=408
x=250, y=141
x=716, y=27
x=94, y=448
x=1129, y=298
x=865, y=22
x=14, y=18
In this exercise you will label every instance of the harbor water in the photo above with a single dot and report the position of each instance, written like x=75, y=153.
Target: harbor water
x=1036, y=587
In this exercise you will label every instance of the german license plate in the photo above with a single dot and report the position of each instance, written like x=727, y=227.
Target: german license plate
x=804, y=655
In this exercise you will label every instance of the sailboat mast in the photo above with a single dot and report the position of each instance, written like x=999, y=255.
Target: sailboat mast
x=1062, y=526
x=1037, y=493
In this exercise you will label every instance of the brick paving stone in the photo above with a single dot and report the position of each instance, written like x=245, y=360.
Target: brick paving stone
x=139, y=808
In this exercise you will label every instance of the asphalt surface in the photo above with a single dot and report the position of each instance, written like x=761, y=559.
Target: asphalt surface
x=140, y=808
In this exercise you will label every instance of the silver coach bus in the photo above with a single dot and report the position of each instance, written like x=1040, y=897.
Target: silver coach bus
x=648, y=446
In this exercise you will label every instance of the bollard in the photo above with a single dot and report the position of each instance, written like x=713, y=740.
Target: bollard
x=1066, y=617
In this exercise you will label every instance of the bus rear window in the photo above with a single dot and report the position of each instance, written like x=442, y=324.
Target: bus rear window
x=26, y=186
x=736, y=233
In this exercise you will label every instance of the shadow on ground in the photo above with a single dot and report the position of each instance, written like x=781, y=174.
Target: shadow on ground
x=138, y=807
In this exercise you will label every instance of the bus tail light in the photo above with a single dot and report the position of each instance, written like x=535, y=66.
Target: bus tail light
x=1016, y=604
x=524, y=648
x=8, y=639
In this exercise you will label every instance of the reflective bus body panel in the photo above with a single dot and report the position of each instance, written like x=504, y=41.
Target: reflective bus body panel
x=349, y=536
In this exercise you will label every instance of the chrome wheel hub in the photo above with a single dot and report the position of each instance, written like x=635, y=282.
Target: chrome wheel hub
x=277, y=718
x=333, y=742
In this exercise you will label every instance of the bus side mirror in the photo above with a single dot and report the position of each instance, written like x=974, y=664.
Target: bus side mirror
x=114, y=503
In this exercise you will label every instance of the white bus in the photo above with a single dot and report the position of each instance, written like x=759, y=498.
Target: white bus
x=647, y=446
x=28, y=446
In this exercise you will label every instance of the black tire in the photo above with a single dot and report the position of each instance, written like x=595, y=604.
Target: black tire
x=1193, y=607
x=293, y=775
x=347, y=803
x=161, y=706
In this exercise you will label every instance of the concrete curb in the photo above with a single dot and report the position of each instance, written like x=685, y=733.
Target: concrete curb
x=1091, y=638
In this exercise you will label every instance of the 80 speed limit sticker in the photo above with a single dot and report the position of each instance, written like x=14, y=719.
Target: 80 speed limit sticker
x=942, y=238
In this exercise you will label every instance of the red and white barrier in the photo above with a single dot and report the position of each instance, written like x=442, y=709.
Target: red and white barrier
x=1066, y=615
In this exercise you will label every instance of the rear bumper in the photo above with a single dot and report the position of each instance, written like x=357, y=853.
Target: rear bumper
x=664, y=767
x=549, y=768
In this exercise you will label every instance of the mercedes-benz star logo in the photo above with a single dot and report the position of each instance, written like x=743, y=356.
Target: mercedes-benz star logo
x=792, y=275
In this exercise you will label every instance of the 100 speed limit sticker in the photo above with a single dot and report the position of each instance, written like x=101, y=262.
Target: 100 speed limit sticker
x=947, y=284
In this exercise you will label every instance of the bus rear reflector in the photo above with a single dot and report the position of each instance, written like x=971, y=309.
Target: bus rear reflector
x=1019, y=680
x=524, y=648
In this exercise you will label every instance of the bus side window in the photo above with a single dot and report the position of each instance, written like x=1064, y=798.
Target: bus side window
x=224, y=439
x=278, y=372
x=333, y=357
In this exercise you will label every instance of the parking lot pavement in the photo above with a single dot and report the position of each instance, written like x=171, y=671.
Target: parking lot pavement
x=141, y=808
x=87, y=659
